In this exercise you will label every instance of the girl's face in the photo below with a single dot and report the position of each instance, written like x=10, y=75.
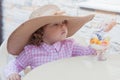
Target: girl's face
x=55, y=32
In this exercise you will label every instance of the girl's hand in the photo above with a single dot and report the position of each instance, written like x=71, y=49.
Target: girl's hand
x=100, y=53
x=99, y=49
x=14, y=76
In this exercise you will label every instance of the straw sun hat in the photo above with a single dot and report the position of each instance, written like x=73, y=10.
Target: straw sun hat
x=44, y=15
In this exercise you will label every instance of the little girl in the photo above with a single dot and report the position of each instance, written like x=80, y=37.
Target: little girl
x=43, y=39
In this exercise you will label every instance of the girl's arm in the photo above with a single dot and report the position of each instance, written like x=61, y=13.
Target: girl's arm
x=79, y=50
x=17, y=65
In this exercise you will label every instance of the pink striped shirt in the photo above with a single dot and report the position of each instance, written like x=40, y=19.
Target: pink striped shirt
x=35, y=56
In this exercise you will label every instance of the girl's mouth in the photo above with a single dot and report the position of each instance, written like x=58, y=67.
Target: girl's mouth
x=63, y=32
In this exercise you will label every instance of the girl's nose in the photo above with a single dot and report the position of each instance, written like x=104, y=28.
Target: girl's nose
x=63, y=26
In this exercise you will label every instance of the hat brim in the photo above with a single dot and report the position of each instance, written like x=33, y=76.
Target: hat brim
x=19, y=38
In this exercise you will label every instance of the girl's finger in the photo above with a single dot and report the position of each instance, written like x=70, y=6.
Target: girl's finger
x=18, y=77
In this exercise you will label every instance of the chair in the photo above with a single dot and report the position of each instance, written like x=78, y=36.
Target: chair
x=4, y=59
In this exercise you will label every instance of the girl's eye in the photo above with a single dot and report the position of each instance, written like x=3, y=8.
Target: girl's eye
x=56, y=24
x=65, y=22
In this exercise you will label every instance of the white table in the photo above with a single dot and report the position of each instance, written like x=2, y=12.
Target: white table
x=78, y=68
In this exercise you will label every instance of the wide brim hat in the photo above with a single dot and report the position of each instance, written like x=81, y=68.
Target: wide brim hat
x=44, y=15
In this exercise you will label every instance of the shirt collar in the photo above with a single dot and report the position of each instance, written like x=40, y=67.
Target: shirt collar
x=55, y=46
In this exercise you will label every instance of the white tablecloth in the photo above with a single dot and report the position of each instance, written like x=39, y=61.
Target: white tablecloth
x=78, y=68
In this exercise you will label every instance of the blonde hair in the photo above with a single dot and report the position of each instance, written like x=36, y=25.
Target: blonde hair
x=36, y=37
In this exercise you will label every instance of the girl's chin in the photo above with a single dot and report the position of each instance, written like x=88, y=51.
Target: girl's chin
x=61, y=39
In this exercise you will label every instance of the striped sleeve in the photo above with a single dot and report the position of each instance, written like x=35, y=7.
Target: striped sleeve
x=79, y=50
x=17, y=65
